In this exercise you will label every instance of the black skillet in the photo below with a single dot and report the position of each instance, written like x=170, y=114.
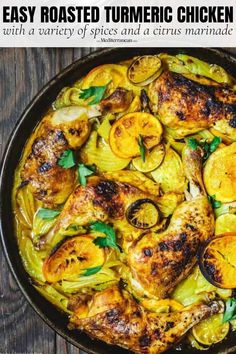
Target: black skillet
x=31, y=116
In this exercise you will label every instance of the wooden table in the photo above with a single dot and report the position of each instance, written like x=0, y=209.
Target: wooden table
x=22, y=73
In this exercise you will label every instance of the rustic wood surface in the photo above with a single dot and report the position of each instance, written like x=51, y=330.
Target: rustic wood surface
x=22, y=73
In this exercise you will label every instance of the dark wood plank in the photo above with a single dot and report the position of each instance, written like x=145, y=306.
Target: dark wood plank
x=23, y=72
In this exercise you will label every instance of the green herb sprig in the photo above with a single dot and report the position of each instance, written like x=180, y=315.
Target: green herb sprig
x=97, y=92
x=67, y=159
x=83, y=172
x=109, y=240
x=92, y=271
x=47, y=214
x=215, y=203
x=142, y=147
x=208, y=148
x=230, y=310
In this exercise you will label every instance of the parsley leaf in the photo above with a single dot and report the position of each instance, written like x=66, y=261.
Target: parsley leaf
x=230, y=310
x=67, y=159
x=192, y=143
x=215, y=203
x=109, y=240
x=83, y=172
x=208, y=148
x=97, y=92
x=91, y=271
x=47, y=214
x=141, y=147
x=215, y=143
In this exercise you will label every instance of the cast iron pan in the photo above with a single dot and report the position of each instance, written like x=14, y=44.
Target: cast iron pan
x=31, y=116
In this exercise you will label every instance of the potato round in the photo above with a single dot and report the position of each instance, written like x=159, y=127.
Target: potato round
x=73, y=256
x=125, y=133
x=220, y=174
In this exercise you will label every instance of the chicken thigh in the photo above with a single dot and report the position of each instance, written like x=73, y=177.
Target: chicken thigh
x=160, y=261
x=114, y=316
x=188, y=107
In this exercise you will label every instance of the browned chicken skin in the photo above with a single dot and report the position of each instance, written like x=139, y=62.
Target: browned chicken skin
x=187, y=106
x=59, y=131
x=102, y=199
x=160, y=261
x=66, y=128
x=114, y=316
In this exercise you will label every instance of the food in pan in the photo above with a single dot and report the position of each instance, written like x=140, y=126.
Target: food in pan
x=125, y=203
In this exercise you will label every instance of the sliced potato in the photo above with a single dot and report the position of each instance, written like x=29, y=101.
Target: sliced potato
x=225, y=223
x=211, y=330
x=145, y=69
x=114, y=73
x=220, y=174
x=72, y=257
x=125, y=133
x=153, y=159
x=97, y=151
x=170, y=174
x=218, y=261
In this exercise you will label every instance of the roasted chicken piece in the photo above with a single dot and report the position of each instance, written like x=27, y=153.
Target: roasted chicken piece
x=159, y=261
x=188, y=107
x=67, y=128
x=101, y=200
x=113, y=316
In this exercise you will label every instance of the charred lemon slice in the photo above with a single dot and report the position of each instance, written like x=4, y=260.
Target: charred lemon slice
x=218, y=261
x=126, y=131
x=145, y=69
x=220, y=174
x=72, y=257
x=211, y=330
x=153, y=159
x=143, y=214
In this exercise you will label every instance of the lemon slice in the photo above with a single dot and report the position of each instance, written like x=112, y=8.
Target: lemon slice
x=153, y=159
x=211, y=330
x=145, y=69
x=143, y=214
x=225, y=223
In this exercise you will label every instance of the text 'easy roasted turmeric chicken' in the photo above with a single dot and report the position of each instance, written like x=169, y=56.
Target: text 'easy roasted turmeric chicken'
x=124, y=210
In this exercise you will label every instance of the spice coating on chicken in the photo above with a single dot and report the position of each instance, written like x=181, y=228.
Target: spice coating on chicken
x=100, y=200
x=67, y=128
x=160, y=261
x=188, y=107
x=131, y=326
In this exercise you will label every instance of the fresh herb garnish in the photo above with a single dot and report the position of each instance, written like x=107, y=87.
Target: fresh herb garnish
x=97, y=92
x=91, y=271
x=215, y=203
x=215, y=143
x=109, y=240
x=208, y=148
x=83, y=172
x=230, y=310
x=67, y=159
x=47, y=214
x=141, y=147
x=192, y=143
